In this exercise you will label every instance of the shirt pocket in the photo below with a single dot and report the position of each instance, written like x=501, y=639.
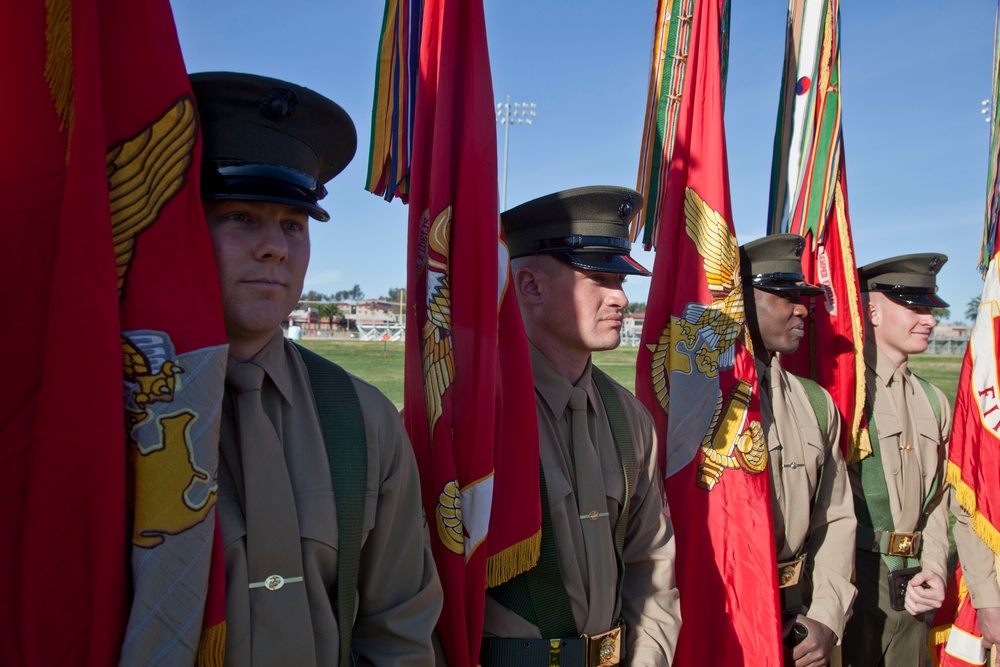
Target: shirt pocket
x=231, y=519
x=890, y=435
x=320, y=554
x=814, y=455
x=318, y=517
x=614, y=488
x=557, y=486
x=930, y=437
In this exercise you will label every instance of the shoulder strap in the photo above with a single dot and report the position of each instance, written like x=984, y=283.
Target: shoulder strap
x=818, y=401
x=344, y=434
x=626, y=452
x=932, y=397
x=538, y=595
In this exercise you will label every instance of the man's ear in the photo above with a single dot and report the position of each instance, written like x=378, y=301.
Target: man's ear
x=529, y=284
x=874, y=312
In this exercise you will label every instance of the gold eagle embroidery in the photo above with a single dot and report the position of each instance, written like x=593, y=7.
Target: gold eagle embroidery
x=701, y=343
x=144, y=173
x=707, y=332
x=438, y=354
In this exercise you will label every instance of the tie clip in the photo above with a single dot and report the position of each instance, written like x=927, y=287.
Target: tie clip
x=593, y=516
x=274, y=582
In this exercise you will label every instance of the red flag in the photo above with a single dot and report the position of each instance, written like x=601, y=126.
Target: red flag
x=473, y=429
x=974, y=449
x=695, y=367
x=974, y=456
x=113, y=256
x=954, y=639
x=836, y=323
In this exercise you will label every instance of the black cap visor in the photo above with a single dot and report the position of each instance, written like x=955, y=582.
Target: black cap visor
x=910, y=296
x=604, y=262
x=263, y=182
x=785, y=282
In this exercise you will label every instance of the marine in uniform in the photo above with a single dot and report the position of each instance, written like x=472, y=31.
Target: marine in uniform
x=814, y=522
x=902, y=540
x=269, y=148
x=607, y=570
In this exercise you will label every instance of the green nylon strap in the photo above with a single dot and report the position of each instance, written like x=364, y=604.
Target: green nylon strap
x=873, y=510
x=538, y=595
x=932, y=398
x=818, y=401
x=347, y=452
x=626, y=453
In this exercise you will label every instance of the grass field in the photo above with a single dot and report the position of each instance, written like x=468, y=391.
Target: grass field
x=382, y=365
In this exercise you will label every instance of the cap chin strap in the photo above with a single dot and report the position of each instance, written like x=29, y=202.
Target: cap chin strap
x=580, y=242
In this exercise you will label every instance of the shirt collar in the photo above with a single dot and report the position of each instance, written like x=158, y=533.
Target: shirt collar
x=272, y=359
x=885, y=369
x=553, y=386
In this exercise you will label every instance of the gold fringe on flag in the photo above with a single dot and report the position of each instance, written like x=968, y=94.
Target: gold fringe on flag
x=212, y=646
x=59, y=61
x=861, y=445
x=967, y=499
x=513, y=560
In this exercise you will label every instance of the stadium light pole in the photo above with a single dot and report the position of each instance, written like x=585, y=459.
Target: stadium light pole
x=519, y=113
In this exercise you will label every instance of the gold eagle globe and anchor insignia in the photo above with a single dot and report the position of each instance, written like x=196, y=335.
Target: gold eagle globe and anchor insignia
x=702, y=342
x=166, y=470
x=145, y=172
x=438, y=357
x=728, y=444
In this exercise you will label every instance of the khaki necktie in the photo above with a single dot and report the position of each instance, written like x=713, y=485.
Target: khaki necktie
x=592, y=502
x=280, y=623
x=911, y=498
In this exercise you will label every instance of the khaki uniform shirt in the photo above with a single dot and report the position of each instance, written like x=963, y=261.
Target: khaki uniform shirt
x=978, y=560
x=399, y=593
x=650, y=607
x=910, y=472
x=802, y=457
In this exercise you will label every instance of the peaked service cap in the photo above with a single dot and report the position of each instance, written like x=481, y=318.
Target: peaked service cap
x=270, y=140
x=774, y=263
x=906, y=279
x=587, y=228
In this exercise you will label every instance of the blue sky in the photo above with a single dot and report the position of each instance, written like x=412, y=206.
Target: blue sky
x=913, y=77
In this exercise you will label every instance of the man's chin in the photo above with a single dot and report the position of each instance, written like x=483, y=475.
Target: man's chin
x=608, y=344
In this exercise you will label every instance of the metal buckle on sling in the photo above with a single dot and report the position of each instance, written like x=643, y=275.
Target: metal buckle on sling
x=790, y=572
x=905, y=545
x=605, y=648
x=555, y=648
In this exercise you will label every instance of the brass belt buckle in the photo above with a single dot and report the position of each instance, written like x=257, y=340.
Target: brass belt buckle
x=605, y=648
x=904, y=544
x=789, y=572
